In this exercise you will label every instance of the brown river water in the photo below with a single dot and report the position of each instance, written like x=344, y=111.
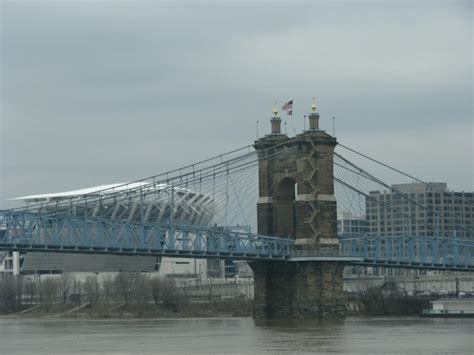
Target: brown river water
x=237, y=336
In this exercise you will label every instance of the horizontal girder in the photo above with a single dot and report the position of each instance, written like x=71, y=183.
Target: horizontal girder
x=36, y=232
x=411, y=252
x=26, y=231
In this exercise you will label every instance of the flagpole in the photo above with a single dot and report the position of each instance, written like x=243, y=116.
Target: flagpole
x=304, y=123
x=257, y=129
x=333, y=126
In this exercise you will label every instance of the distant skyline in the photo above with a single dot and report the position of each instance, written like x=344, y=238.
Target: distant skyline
x=103, y=92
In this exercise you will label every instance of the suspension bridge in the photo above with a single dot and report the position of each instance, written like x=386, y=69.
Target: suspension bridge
x=272, y=203
x=208, y=210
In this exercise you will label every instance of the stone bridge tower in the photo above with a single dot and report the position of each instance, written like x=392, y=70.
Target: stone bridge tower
x=296, y=200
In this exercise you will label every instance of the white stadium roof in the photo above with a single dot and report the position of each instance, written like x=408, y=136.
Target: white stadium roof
x=91, y=191
x=158, y=202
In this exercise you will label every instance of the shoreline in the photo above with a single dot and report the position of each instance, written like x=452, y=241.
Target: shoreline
x=121, y=311
x=366, y=307
x=144, y=319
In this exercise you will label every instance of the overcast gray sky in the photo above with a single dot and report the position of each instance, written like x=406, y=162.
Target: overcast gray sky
x=102, y=92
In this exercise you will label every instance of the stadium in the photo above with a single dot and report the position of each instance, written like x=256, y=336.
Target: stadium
x=137, y=201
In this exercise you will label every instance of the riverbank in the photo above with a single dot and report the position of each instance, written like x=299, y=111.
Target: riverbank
x=228, y=308
x=364, y=306
x=388, y=306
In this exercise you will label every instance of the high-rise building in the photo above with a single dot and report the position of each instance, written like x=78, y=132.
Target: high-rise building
x=421, y=209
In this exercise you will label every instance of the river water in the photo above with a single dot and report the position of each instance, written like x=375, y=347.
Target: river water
x=236, y=336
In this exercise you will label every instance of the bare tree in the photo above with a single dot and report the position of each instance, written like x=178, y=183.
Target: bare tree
x=107, y=287
x=49, y=290
x=79, y=287
x=123, y=285
x=10, y=293
x=141, y=293
x=133, y=289
x=210, y=289
x=91, y=288
x=18, y=292
x=169, y=295
x=30, y=290
x=155, y=289
x=65, y=283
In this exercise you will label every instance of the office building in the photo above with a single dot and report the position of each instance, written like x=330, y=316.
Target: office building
x=421, y=209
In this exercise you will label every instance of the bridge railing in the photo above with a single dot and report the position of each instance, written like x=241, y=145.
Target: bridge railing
x=37, y=232
x=412, y=251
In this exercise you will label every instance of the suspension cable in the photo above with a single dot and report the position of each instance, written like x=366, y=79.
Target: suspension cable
x=379, y=162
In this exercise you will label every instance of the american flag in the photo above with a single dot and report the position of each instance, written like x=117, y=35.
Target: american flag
x=287, y=106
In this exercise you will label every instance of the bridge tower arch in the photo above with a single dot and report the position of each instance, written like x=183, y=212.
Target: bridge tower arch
x=296, y=200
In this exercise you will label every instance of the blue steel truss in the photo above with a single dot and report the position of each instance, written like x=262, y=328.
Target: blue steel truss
x=26, y=231
x=411, y=252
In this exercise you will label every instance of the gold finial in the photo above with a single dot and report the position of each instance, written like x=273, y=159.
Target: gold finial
x=313, y=106
x=275, y=110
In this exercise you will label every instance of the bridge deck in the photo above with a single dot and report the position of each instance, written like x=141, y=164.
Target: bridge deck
x=25, y=231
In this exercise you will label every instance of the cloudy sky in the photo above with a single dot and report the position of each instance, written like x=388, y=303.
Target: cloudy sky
x=101, y=92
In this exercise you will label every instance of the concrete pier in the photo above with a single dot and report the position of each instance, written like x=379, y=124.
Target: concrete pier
x=298, y=290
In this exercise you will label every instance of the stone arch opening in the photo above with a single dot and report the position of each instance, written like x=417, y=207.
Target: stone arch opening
x=284, y=203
